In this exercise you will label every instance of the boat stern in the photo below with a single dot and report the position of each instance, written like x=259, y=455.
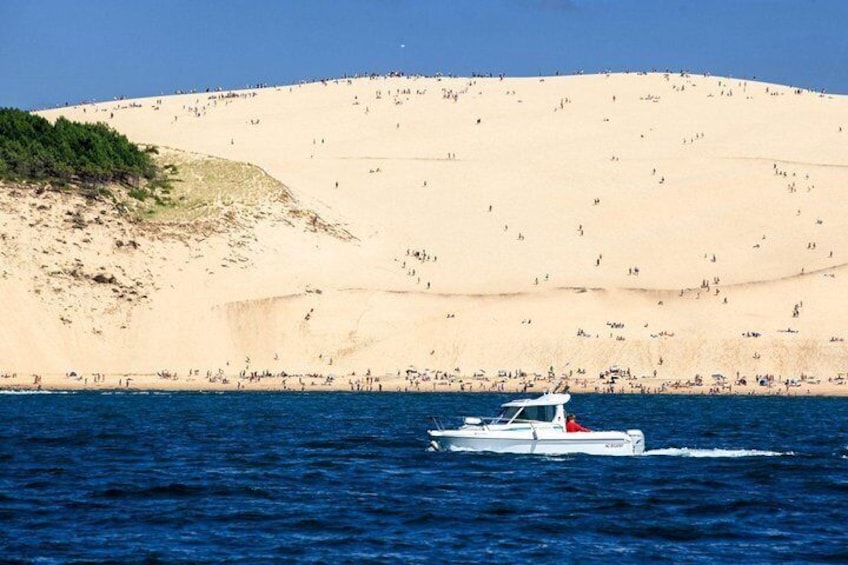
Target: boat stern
x=637, y=439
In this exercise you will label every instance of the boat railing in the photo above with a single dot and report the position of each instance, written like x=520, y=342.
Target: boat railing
x=469, y=421
x=437, y=422
x=488, y=421
x=485, y=422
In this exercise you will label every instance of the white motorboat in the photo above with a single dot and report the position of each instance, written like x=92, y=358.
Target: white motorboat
x=534, y=425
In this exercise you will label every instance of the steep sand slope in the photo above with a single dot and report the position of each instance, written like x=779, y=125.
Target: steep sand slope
x=653, y=221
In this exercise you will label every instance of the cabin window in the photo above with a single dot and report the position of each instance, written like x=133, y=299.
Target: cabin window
x=534, y=413
x=539, y=413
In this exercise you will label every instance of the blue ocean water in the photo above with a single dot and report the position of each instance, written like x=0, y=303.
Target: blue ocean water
x=348, y=478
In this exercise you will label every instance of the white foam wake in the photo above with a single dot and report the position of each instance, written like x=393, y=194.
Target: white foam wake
x=687, y=452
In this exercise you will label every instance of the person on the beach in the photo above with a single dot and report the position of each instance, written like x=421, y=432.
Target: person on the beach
x=571, y=425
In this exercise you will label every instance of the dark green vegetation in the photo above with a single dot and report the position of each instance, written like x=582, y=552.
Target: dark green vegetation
x=89, y=156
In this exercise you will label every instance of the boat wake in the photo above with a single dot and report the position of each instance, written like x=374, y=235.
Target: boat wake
x=687, y=452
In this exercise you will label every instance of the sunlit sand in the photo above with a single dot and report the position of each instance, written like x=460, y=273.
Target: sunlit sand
x=411, y=233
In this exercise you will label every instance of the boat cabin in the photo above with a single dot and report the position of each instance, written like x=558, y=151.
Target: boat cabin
x=546, y=408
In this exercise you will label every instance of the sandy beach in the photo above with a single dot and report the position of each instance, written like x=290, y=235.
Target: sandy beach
x=681, y=233
x=522, y=383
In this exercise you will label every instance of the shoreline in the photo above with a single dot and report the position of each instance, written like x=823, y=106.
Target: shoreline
x=532, y=386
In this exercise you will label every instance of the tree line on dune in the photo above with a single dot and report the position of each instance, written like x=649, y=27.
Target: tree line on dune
x=73, y=153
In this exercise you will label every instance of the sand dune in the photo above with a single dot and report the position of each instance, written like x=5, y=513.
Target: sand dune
x=683, y=225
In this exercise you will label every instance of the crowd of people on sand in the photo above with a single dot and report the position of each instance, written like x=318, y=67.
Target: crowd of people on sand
x=348, y=78
x=613, y=380
x=416, y=255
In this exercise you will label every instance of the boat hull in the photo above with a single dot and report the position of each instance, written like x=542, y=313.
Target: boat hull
x=631, y=442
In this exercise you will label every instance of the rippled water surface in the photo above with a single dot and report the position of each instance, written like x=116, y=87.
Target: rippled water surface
x=338, y=477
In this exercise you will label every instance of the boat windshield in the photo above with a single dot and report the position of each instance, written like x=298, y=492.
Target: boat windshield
x=507, y=414
x=527, y=413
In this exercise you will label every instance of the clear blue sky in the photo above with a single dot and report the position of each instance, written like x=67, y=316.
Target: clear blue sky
x=57, y=51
